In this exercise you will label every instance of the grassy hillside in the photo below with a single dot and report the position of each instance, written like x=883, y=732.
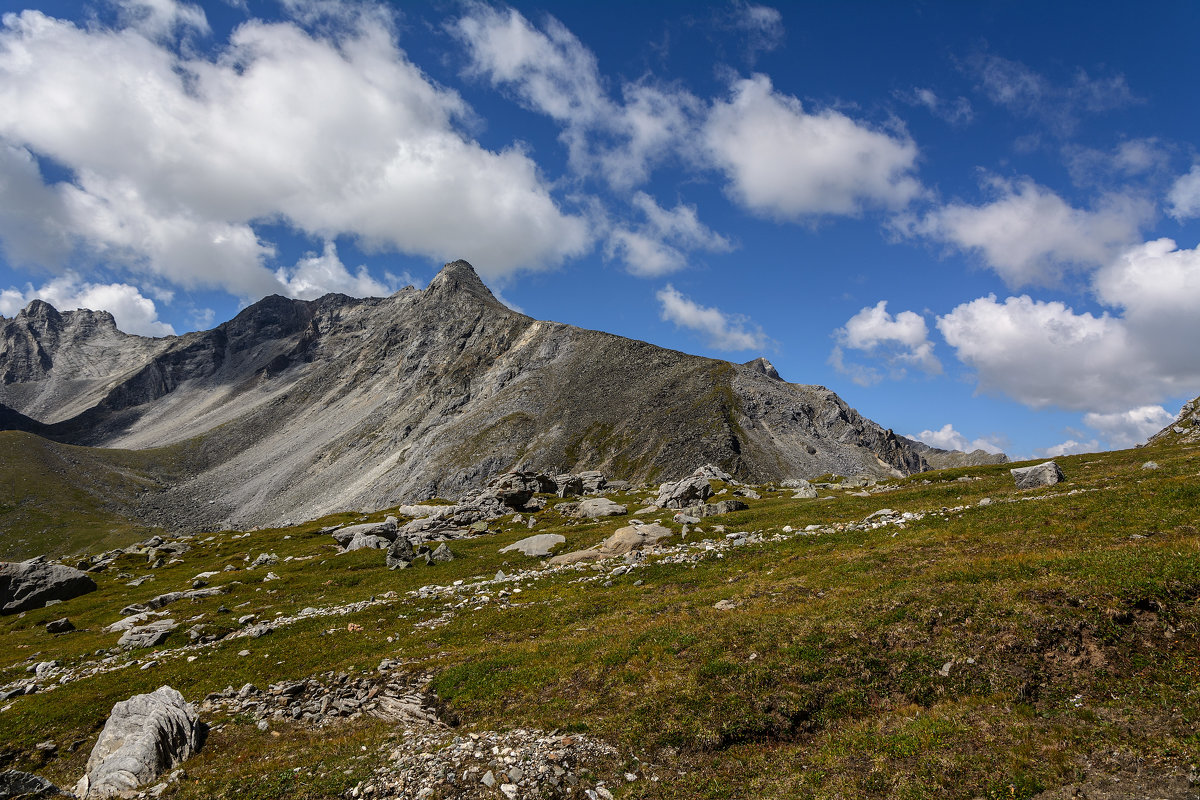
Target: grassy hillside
x=59, y=499
x=1023, y=646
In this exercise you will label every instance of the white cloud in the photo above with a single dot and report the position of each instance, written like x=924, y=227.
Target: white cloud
x=785, y=162
x=1122, y=429
x=762, y=25
x=659, y=246
x=722, y=331
x=1046, y=354
x=1132, y=158
x=1184, y=195
x=955, y=112
x=1068, y=448
x=317, y=275
x=1030, y=235
x=947, y=438
x=1029, y=94
x=897, y=341
x=175, y=157
x=133, y=312
x=161, y=18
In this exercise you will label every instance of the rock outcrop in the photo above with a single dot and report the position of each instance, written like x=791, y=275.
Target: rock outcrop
x=31, y=584
x=144, y=737
x=1185, y=429
x=1046, y=474
x=295, y=409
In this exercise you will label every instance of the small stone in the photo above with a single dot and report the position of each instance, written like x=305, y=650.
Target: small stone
x=489, y=780
x=243, y=652
x=1150, y=465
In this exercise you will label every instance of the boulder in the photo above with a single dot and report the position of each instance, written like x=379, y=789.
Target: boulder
x=63, y=625
x=15, y=784
x=540, y=545
x=147, y=635
x=805, y=492
x=31, y=584
x=682, y=493
x=384, y=530
x=363, y=541
x=594, y=481
x=264, y=560
x=714, y=509
x=624, y=540
x=568, y=485
x=144, y=737
x=400, y=553
x=191, y=594
x=1046, y=474
x=594, y=507
x=441, y=554
x=714, y=473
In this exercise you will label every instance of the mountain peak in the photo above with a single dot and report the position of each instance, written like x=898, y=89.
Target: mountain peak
x=40, y=309
x=761, y=364
x=459, y=276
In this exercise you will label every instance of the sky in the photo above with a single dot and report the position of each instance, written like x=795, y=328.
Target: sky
x=979, y=223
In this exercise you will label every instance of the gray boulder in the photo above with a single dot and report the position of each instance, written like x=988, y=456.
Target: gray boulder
x=364, y=541
x=144, y=737
x=147, y=635
x=400, y=553
x=441, y=554
x=682, y=493
x=568, y=485
x=1046, y=474
x=593, y=481
x=715, y=509
x=31, y=584
x=624, y=540
x=63, y=625
x=385, y=530
x=594, y=507
x=15, y=784
x=540, y=545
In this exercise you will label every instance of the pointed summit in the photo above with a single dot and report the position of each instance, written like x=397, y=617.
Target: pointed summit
x=40, y=309
x=458, y=277
x=761, y=364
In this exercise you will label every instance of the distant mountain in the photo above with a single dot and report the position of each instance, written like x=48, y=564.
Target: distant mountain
x=294, y=408
x=938, y=458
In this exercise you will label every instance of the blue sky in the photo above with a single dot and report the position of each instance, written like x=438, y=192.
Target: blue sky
x=977, y=222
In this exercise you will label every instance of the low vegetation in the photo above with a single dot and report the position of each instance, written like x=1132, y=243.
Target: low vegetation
x=994, y=644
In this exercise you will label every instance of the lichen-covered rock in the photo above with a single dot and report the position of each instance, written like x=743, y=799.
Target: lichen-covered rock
x=147, y=635
x=1046, y=474
x=682, y=493
x=400, y=553
x=144, y=737
x=594, y=507
x=31, y=584
x=540, y=545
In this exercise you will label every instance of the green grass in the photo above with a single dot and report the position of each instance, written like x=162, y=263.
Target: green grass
x=1069, y=625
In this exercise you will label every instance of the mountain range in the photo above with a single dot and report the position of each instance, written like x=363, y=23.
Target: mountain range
x=295, y=409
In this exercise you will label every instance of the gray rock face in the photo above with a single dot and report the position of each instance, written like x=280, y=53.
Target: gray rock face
x=144, y=737
x=400, y=553
x=682, y=493
x=594, y=507
x=938, y=458
x=367, y=542
x=1184, y=430
x=31, y=584
x=715, y=509
x=441, y=554
x=624, y=540
x=384, y=530
x=763, y=366
x=15, y=784
x=540, y=545
x=63, y=625
x=306, y=408
x=147, y=635
x=1046, y=474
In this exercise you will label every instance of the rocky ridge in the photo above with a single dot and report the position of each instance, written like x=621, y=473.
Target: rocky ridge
x=295, y=409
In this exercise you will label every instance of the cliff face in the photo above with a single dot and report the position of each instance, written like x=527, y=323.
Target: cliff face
x=300, y=408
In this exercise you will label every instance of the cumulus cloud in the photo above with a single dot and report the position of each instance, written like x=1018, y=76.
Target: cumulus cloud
x=1030, y=235
x=947, y=438
x=1132, y=158
x=1047, y=354
x=722, y=331
x=133, y=312
x=761, y=25
x=898, y=341
x=659, y=246
x=1184, y=195
x=551, y=72
x=1027, y=93
x=1123, y=429
x=174, y=157
x=1068, y=448
x=785, y=162
x=317, y=275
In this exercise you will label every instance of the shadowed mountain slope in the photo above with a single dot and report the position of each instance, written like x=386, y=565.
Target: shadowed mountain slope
x=294, y=409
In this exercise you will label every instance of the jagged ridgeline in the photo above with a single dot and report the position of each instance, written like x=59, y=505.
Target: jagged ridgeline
x=295, y=409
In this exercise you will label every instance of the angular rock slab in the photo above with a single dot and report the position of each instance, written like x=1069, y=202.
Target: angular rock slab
x=1046, y=474
x=682, y=493
x=147, y=635
x=540, y=545
x=26, y=785
x=624, y=540
x=31, y=584
x=599, y=507
x=144, y=737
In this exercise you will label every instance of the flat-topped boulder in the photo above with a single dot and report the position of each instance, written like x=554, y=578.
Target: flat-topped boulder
x=1046, y=474
x=31, y=584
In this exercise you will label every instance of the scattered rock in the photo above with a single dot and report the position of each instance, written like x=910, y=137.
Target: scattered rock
x=147, y=635
x=144, y=737
x=265, y=560
x=1046, y=474
x=15, y=784
x=34, y=583
x=599, y=507
x=624, y=540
